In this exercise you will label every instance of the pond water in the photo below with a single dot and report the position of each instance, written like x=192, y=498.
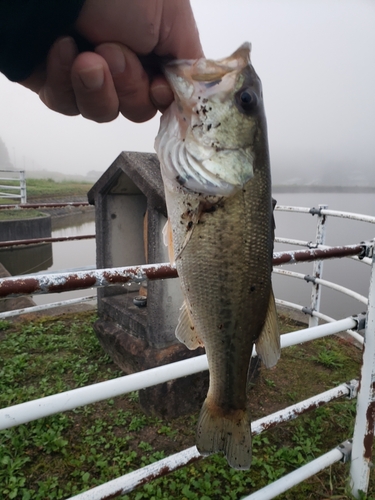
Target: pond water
x=347, y=272
x=69, y=255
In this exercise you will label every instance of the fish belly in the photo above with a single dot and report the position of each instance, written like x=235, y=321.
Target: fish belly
x=225, y=269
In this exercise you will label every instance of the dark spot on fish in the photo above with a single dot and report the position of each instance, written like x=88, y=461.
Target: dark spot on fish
x=180, y=180
x=220, y=327
x=209, y=126
x=192, y=327
x=189, y=225
x=209, y=109
x=218, y=125
x=199, y=97
x=197, y=112
x=252, y=288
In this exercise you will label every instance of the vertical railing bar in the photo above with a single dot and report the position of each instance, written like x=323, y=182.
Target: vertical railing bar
x=23, y=186
x=318, y=266
x=364, y=428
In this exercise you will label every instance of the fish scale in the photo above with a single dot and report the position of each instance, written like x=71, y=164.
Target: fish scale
x=213, y=151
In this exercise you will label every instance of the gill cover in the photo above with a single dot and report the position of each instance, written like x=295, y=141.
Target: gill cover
x=196, y=143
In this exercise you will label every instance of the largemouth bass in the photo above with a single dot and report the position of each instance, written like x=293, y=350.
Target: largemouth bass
x=213, y=149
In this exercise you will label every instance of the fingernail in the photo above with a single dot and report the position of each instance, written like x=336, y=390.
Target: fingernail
x=162, y=95
x=67, y=51
x=114, y=57
x=92, y=78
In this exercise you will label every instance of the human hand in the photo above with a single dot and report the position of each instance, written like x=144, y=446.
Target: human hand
x=112, y=79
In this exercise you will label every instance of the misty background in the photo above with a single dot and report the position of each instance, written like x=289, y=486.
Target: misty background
x=316, y=62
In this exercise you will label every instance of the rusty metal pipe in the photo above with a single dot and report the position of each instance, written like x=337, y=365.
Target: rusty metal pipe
x=37, y=241
x=46, y=205
x=66, y=282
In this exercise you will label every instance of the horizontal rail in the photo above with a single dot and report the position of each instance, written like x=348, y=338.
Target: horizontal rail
x=320, y=281
x=47, y=205
x=301, y=474
x=326, y=211
x=128, y=482
x=64, y=401
x=324, y=317
x=10, y=195
x=44, y=307
x=291, y=241
x=9, y=187
x=64, y=282
x=37, y=241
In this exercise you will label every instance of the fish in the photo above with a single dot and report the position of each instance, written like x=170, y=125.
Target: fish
x=213, y=151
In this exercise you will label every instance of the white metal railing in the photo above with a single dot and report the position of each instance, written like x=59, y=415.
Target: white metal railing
x=9, y=189
x=360, y=449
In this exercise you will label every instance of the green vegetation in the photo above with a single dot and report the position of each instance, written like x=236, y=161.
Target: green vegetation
x=48, y=188
x=40, y=188
x=10, y=214
x=59, y=456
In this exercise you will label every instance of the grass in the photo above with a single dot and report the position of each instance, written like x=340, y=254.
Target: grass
x=10, y=214
x=59, y=456
x=48, y=188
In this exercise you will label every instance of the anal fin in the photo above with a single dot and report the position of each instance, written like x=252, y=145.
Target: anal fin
x=268, y=343
x=185, y=330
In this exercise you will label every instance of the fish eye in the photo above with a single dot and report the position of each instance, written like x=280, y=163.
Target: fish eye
x=247, y=99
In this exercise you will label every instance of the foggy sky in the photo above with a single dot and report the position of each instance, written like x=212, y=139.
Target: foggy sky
x=316, y=61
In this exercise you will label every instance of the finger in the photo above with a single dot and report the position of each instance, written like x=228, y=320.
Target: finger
x=35, y=81
x=95, y=93
x=57, y=92
x=130, y=80
x=161, y=93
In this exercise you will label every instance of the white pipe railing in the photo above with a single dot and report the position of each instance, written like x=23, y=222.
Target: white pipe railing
x=21, y=179
x=364, y=424
x=64, y=401
x=129, y=482
x=328, y=284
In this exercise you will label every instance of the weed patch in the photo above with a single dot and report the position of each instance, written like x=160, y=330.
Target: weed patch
x=61, y=455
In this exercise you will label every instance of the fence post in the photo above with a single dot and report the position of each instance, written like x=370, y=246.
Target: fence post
x=23, y=186
x=364, y=428
x=318, y=266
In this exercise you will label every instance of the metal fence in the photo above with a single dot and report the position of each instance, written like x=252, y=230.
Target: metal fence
x=15, y=187
x=357, y=449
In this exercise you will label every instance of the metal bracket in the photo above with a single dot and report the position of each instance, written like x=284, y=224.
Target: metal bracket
x=368, y=249
x=309, y=278
x=307, y=310
x=315, y=211
x=360, y=319
x=346, y=450
x=311, y=245
x=352, y=388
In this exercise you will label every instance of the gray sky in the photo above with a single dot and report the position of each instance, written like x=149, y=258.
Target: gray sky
x=317, y=64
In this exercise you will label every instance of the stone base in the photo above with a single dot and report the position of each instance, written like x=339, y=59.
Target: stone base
x=168, y=400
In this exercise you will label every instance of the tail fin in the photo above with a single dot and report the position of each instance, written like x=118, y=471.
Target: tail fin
x=229, y=433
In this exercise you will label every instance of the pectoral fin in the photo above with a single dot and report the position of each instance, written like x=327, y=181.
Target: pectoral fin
x=268, y=344
x=168, y=240
x=185, y=331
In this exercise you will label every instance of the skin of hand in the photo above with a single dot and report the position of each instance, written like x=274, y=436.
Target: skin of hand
x=111, y=80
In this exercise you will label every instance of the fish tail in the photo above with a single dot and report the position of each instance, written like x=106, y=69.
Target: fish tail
x=227, y=432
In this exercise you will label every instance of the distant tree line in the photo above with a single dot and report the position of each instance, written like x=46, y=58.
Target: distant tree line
x=5, y=163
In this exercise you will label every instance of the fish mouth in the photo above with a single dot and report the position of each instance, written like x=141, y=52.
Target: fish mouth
x=184, y=76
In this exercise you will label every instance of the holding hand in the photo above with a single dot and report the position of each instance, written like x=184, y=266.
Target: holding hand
x=112, y=79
